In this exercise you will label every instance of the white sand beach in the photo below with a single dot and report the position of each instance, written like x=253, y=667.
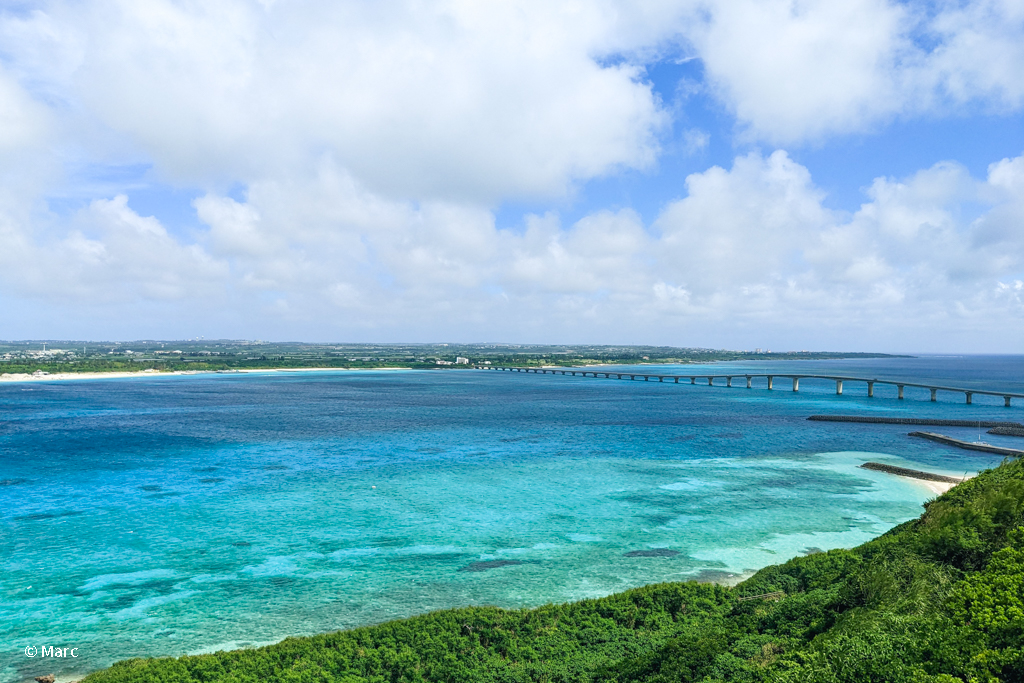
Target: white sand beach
x=64, y=376
x=936, y=487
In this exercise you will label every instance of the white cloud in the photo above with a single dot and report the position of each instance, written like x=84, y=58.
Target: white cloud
x=748, y=250
x=112, y=256
x=372, y=141
x=749, y=243
x=980, y=54
x=449, y=100
x=798, y=70
x=459, y=101
x=743, y=226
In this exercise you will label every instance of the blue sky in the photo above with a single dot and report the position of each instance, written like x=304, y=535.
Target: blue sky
x=783, y=174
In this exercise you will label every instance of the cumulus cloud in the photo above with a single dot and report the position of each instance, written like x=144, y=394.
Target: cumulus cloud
x=750, y=243
x=367, y=146
x=461, y=101
x=419, y=100
x=799, y=70
x=747, y=248
x=743, y=226
x=111, y=255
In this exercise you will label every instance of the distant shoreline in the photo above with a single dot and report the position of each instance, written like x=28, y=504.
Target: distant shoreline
x=117, y=374
x=124, y=374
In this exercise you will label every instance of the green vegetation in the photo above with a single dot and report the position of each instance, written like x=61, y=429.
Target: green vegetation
x=78, y=356
x=936, y=600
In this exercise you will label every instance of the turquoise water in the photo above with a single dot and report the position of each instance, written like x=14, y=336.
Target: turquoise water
x=163, y=516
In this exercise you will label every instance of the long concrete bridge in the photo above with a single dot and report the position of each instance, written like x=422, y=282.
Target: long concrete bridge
x=768, y=377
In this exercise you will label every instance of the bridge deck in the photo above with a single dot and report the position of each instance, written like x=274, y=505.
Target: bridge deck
x=838, y=379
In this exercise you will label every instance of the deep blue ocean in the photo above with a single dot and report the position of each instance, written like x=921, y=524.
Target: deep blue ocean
x=172, y=515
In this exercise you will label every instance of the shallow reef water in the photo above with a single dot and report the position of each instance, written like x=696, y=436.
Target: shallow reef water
x=172, y=515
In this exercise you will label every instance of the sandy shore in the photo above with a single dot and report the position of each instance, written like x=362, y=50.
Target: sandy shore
x=936, y=487
x=64, y=376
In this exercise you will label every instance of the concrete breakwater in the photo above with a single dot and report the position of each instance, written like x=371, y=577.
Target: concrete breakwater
x=984, y=447
x=915, y=474
x=1007, y=431
x=918, y=421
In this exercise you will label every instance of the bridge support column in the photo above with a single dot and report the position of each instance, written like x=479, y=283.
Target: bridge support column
x=899, y=391
x=770, y=378
x=677, y=380
x=693, y=380
x=871, y=389
x=728, y=381
x=839, y=387
x=934, y=391
x=796, y=384
x=969, y=395
x=1006, y=400
x=748, y=381
x=711, y=381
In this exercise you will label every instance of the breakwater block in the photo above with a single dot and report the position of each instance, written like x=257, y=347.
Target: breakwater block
x=1007, y=431
x=870, y=419
x=968, y=445
x=915, y=474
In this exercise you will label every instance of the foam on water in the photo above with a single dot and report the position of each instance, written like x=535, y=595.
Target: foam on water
x=190, y=514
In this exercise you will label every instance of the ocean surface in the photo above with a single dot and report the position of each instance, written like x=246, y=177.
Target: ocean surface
x=186, y=514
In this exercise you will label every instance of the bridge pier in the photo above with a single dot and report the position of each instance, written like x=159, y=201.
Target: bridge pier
x=839, y=380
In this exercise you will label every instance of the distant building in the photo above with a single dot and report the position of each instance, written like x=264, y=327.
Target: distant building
x=459, y=360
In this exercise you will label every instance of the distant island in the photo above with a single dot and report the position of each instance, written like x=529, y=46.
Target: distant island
x=65, y=356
